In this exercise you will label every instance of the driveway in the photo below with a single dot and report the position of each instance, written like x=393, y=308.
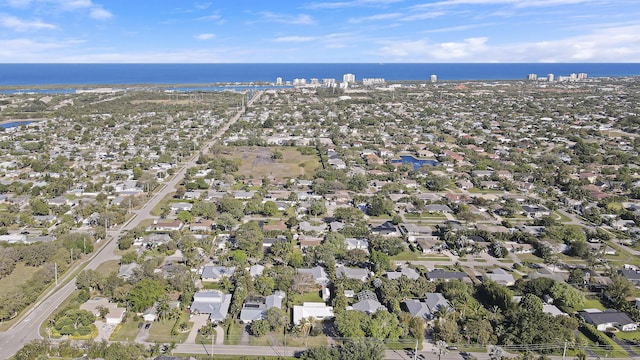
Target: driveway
x=104, y=330
x=198, y=321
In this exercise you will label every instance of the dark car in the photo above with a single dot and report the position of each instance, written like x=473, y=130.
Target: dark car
x=147, y=326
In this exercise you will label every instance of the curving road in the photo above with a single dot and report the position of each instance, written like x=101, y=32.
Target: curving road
x=27, y=328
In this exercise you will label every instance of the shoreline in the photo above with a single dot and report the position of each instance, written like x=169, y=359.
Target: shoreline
x=127, y=86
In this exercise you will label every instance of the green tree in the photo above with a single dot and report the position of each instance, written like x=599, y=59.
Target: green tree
x=144, y=294
x=249, y=238
x=362, y=349
x=39, y=207
x=270, y=209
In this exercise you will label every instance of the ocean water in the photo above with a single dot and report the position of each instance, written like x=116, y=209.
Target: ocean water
x=124, y=74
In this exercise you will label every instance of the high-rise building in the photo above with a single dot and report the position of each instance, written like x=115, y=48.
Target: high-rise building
x=550, y=77
x=278, y=81
x=349, y=78
x=582, y=76
x=433, y=78
x=532, y=77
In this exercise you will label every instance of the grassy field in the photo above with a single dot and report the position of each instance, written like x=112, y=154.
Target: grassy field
x=233, y=334
x=558, y=216
x=125, y=331
x=108, y=267
x=161, y=330
x=425, y=216
x=312, y=296
x=415, y=255
x=592, y=304
x=19, y=276
x=257, y=162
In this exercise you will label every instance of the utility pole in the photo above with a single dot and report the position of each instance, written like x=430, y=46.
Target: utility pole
x=564, y=352
x=415, y=351
x=55, y=270
x=212, y=338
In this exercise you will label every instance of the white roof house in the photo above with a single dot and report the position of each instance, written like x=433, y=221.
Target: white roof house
x=313, y=310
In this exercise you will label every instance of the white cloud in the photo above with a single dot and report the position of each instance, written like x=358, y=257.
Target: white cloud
x=212, y=17
x=613, y=44
x=515, y=3
x=16, y=24
x=348, y=4
x=300, y=19
x=28, y=50
x=205, y=36
x=294, y=39
x=388, y=16
x=99, y=13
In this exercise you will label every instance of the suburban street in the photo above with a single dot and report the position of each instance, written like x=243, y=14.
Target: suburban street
x=27, y=327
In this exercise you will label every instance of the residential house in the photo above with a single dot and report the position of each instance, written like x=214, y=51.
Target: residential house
x=180, y=206
x=312, y=310
x=307, y=227
x=255, y=308
x=215, y=303
x=309, y=241
x=501, y=277
x=126, y=271
x=318, y=274
x=113, y=317
x=439, y=274
x=387, y=228
x=609, y=319
x=361, y=244
x=352, y=273
x=368, y=306
x=632, y=275
x=212, y=273
x=426, y=309
x=168, y=225
x=410, y=273
x=535, y=211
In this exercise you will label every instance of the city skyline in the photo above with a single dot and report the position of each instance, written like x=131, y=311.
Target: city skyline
x=438, y=31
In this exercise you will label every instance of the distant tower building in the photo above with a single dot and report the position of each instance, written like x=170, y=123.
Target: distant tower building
x=329, y=82
x=573, y=77
x=278, y=81
x=314, y=82
x=433, y=78
x=349, y=78
x=532, y=77
x=582, y=76
x=550, y=77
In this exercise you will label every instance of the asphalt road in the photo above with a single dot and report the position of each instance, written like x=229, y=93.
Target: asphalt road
x=27, y=328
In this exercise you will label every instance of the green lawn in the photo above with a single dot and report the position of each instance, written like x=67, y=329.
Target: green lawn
x=17, y=278
x=425, y=216
x=628, y=335
x=415, y=255
x=230, y=357
x=108, y=267
x=311, y=296
x=233, y=333
x=558, y=216
x=126, y=331
x=474, y=190
x=160, y=331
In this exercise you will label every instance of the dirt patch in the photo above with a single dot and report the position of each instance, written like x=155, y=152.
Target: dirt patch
x=258, y=162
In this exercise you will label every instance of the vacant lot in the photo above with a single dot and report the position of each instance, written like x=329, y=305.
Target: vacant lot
x=258, y=162
x=19, y=276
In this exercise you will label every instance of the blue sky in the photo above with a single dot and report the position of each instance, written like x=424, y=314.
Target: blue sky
x=233, y=31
